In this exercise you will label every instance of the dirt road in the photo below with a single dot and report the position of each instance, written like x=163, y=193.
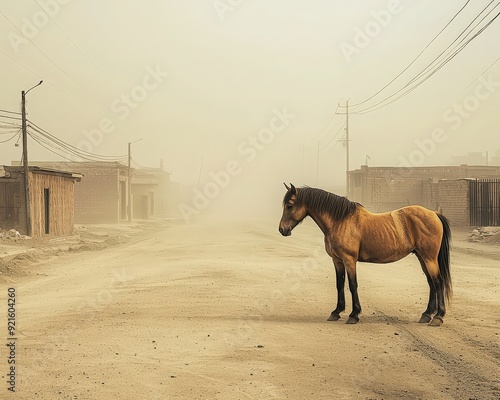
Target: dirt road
x=235, y=311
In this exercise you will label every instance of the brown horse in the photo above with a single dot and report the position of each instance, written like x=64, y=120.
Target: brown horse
x=353, y=234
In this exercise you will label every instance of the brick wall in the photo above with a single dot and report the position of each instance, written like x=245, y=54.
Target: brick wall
x=450, y=197
x=97, y=196
x=382, y=189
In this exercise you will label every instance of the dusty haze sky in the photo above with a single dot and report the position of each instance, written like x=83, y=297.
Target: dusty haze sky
x=204, y=77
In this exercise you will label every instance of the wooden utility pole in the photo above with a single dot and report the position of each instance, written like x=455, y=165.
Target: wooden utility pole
x=346, y=144
x=27, y=195
x=347, y=147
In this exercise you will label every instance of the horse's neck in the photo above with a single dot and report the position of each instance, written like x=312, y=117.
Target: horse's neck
x=322, y=220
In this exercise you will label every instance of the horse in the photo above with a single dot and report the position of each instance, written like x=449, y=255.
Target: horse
x=352, y=234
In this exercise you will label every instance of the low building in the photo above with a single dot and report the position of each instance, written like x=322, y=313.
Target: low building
x=51, y=200
x=448, y=189
x=101, y=196
x=154, y=194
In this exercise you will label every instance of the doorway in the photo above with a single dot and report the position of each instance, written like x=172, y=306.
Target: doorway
x=46, y=203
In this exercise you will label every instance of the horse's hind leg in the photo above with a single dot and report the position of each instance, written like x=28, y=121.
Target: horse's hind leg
x=340, y=274
x=436, y=297
x=431, y=305
x=441, y=307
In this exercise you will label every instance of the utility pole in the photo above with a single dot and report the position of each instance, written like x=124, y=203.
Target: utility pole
x=346, y=144
x=27, y=196
x=129, y=182
x=347, y=147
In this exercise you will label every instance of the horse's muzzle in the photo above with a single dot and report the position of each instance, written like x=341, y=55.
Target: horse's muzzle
x=285, y=231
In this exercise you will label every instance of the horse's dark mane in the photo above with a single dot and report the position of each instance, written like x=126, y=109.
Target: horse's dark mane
x=338, y=207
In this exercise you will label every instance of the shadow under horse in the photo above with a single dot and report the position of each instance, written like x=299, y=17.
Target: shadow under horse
x=354, y=234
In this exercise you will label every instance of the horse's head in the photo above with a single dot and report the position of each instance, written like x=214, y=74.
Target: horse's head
x=293, y=213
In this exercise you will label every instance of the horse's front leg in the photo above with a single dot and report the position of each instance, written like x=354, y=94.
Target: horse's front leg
x=350, y=266
x=340, y=274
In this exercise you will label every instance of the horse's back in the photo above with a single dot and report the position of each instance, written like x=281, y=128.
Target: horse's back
x=389, y=236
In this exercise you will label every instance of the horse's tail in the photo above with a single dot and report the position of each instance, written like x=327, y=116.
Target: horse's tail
x=444, y=258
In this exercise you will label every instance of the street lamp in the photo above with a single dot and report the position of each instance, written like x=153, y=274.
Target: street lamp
x=29, y=230
x=129, y=182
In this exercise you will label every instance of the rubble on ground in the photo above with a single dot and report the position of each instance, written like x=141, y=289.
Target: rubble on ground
x=485, y=234
x=12, y=234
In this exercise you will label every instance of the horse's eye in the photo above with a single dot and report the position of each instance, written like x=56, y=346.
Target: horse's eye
x=289, y=206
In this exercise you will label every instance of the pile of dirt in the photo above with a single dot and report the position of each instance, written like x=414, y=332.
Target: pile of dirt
x=486, y=234
x=9, y=269
x=11, y=234
x=18, y=254
x=14, y=266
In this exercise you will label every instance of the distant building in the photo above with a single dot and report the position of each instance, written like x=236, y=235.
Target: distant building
x=154, y=194
x=471, y=158
x=447, y=189
x=101, y=197
x=102, y=194
x=51, y=197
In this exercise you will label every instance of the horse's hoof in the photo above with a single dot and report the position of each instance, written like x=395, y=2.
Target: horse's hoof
x=425, y=319
x=436, y=321
x=352, y=320
x=333, y=317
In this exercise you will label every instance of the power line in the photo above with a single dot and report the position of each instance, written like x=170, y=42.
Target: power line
x=9, y=125
x=137, y=164
x=52, y=61
x=415, y=59
x=10, y=112
x=47, y=144
x=333, y=137
x=461, y=33
x=8, y=140
x=9, y=117
x=455, y=51
x=53, y=85
x=80, y=50
x=49, y=149
x=318, y=137
x=481, y=74
x=56, y=139
x=56, y=143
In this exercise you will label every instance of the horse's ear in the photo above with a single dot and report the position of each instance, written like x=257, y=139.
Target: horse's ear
x=292, y=188
x=287, y=188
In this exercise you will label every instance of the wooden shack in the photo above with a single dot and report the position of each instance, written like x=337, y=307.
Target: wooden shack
x=51, y=200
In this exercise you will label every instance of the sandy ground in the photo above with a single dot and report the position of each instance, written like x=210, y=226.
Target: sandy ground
x=235, y=311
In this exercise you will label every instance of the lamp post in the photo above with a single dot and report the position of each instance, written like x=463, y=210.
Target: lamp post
x=129, y=182
x=27, y=200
